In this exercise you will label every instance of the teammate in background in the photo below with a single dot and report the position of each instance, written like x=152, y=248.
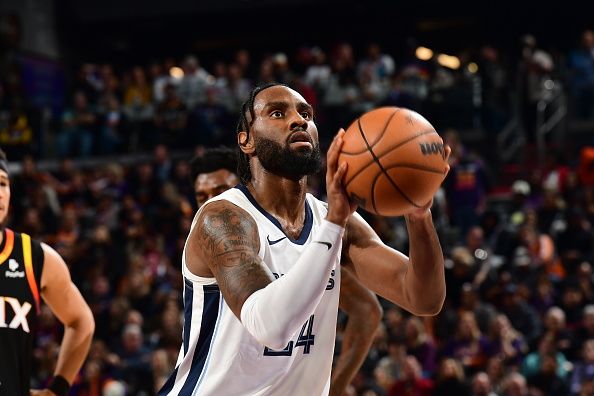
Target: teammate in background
x=31, y=271
x=262, y=261
x=214, y=172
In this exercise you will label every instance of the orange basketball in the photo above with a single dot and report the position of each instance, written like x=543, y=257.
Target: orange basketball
x=396, y=161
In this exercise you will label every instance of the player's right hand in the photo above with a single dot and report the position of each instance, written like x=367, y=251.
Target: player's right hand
x=340, y=208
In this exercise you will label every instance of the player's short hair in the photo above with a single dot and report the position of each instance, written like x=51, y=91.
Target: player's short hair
x=3, y=155
x=243, y=161
x=213, y=159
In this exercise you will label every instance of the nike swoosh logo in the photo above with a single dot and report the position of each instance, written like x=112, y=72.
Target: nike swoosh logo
x=328, y=244
x=274, y=242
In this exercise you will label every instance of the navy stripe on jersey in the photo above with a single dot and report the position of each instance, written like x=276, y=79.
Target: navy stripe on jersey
x=210, y=314
x=188, y=299
x=306, y=226
x=168, y=386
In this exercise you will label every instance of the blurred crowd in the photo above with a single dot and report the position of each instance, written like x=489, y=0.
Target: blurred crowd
x=519, y=314
x=110, y=108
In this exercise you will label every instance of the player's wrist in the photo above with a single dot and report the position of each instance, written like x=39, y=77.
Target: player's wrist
x=59, y=386
x=419, y=215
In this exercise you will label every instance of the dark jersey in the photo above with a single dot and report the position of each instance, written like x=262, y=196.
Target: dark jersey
x=21, y=263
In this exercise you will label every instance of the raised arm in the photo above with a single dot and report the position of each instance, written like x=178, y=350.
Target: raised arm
x=226, y=240
x=271, y=310
x=415, y=283
x=364, y=315
x=66, y=302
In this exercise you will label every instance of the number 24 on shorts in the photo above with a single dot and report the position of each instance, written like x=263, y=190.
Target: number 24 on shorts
x=305, y=339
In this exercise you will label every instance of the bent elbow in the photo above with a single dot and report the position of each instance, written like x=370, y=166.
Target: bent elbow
x=431, y=309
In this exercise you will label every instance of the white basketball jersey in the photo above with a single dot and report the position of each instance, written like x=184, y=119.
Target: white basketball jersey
x=220, y=358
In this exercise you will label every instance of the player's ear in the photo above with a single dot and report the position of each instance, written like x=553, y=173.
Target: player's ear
x=246, y=142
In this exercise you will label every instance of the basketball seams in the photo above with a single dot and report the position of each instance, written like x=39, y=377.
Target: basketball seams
x=375, y=179
x=398, y=145
x=379, y=137
x=376, y=160
x=417, y=167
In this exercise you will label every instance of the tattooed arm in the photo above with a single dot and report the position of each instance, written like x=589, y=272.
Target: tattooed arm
x=226, y=239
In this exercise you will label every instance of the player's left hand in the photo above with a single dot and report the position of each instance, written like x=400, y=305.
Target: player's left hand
x=41, y=392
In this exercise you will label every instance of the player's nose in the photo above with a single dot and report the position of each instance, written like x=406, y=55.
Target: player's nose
x=297, y=121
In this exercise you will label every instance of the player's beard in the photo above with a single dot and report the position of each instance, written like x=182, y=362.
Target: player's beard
x=284, y=161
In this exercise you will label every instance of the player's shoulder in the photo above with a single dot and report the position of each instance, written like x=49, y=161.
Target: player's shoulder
x=223, y=213
x=20, y=237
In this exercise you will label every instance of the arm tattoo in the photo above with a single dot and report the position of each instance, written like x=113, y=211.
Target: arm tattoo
x=230, y=242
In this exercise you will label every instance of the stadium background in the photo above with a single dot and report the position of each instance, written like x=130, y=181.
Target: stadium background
x=514, y=99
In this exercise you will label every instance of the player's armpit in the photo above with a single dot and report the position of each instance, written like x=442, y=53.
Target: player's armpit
x=226, y=239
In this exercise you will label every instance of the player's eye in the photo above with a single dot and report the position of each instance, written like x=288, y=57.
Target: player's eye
x=306, y=115
x=276, y=114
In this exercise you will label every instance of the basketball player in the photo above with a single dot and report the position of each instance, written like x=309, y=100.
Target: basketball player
x=31, y=271
x=213, y=173
x=262, y=263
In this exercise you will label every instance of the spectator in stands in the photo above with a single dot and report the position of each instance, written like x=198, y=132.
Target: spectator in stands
x=112, y=132
x=535, y=68
x=465, y=187
x=533, y=363
x=412, y=382
x=133, y=365
x=171, y=118
x=192, y=87
x=469, y=345
x=451, y=379
x=547, y=381
x=138, y=97
x=584, y=370
x=581, y=67
x=483, y=311
x=420, y=345
x=505, y=341
x=318, y=73
x=481, y=385
x=556, y=325
x=520, y=313
x=16, y=130
x=515, y=385
x=78, y=128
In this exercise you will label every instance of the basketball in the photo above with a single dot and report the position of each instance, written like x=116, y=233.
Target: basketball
x=396, y=161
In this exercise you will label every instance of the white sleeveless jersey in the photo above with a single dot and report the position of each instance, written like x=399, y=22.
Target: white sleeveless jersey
x=220, y=358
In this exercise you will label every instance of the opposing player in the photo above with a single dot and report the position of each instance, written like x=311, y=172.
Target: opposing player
x=262, y=263
x=31, y=271
x=214, y=172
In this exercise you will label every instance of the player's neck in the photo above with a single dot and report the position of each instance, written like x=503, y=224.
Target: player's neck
x=282, y=197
